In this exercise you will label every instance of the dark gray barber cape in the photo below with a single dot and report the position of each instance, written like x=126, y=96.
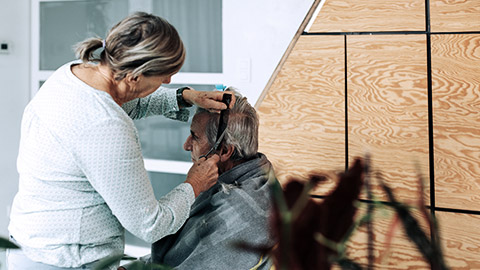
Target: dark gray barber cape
x=234, y=210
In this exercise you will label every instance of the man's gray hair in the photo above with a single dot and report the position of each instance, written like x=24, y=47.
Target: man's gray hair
x=242, y=128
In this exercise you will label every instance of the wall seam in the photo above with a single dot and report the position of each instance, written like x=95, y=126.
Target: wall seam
x=346, y=102
x=430, y=109
x=389, y=33
x=437, y=209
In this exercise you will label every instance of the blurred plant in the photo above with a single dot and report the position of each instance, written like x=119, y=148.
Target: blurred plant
x=314, y=235
x=429, y=248
x=6, y=244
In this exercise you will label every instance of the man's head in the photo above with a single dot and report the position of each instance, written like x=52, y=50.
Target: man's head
x=240, y=142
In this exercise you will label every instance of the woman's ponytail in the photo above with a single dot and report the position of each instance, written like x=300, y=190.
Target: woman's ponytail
x=84, y=49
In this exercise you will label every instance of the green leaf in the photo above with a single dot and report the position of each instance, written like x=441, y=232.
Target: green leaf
x=106, y=262
x=301, y=201
x=5, y=243
x=136, y=265
x=431, y=252
x=320, y=238
x=128, y=258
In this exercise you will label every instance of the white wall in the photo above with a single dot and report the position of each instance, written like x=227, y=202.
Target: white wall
x=258, y=31
x=14, y=95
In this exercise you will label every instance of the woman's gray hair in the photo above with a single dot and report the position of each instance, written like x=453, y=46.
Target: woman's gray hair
x=141, y=44
x=242, y=128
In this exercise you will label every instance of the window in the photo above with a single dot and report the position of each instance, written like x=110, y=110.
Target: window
x=58, y=25
x=199, y=24
x=64, y=23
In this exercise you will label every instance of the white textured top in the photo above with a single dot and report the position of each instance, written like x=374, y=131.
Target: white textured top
x=82, y=177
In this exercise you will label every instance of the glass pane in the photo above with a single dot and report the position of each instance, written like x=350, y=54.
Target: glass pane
x=199, y=24
x=162, y=184
x=64, y=23
x=163, y=138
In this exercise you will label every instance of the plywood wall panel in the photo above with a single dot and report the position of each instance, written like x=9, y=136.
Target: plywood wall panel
x=302, y=117
x=388, y=107
x=460, y=239
x=370, y=15
x=454, y=15
x=456, y=101
x=400, y=254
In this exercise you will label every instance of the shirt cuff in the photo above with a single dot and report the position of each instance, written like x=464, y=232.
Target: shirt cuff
x=187, y=188
x=176, y=113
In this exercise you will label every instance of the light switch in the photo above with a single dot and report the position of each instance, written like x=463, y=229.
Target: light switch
x=243, y=69
x=4, y=47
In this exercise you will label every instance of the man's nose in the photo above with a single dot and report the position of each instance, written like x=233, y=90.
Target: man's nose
x=187, y=146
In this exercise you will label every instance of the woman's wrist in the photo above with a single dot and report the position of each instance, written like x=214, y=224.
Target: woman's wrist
x=188, y=95
x=183, y=100
x=195, y=188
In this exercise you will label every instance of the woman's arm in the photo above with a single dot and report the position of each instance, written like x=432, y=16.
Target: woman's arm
x=161, y=102
x=164, y=102
x=110, y=157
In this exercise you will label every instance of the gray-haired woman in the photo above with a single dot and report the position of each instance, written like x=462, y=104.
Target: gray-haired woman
x=82, y=177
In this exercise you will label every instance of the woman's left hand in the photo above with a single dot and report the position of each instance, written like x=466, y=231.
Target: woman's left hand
x=209, y=100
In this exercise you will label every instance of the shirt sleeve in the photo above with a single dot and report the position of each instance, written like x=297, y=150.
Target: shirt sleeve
x=161, y=102
x=110, y=156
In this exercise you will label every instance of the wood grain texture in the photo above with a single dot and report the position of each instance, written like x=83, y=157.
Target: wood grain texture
x=301, y=29
x=454, y=15
x=388, y=108
x=460, y=239
x=302, y=117
x=400, y=254
x=456, y=101
x=370, y=15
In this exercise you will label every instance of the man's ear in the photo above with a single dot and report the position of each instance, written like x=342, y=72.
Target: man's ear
x=226, y=153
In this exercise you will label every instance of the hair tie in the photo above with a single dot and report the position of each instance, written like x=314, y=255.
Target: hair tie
x=103, y=43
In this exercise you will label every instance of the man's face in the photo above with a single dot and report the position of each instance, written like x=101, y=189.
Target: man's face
x=197, y=142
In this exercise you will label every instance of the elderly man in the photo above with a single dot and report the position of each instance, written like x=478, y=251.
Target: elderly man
x=233, y=211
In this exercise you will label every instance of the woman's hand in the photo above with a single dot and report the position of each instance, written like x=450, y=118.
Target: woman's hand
x=203, y=174
x=209, y=100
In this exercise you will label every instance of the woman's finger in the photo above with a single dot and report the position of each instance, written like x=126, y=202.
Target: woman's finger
x=214, y=105
x=232, y=102
x=211, y=100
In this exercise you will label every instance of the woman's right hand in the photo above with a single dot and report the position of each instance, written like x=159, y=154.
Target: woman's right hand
x=209, y=100
x=203, y=174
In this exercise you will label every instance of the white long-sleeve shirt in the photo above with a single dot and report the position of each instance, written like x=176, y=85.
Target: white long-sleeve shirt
x=82, y=177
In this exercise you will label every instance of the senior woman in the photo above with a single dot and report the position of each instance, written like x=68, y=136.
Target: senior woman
x=82, y=177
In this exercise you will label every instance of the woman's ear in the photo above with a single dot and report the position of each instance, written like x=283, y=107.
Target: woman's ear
x=226, y=153
x=131, y=80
